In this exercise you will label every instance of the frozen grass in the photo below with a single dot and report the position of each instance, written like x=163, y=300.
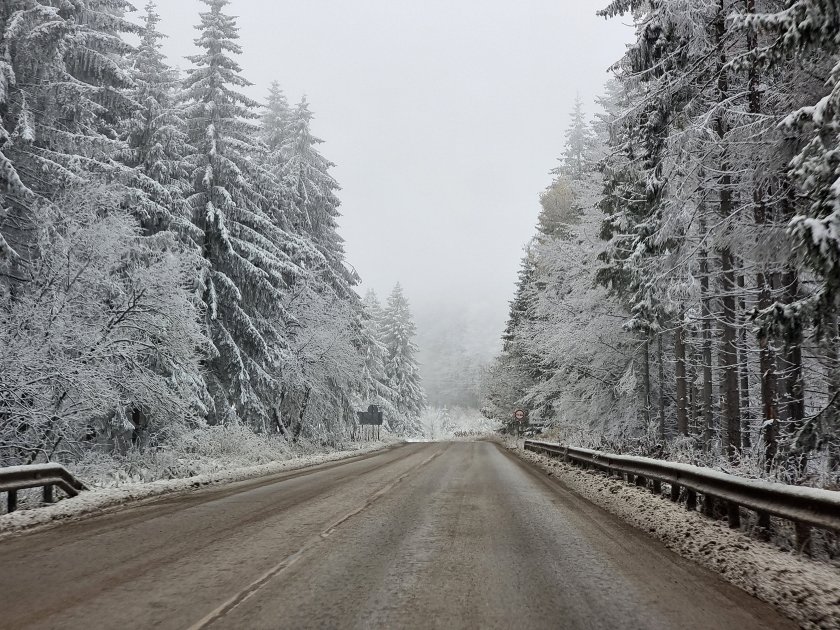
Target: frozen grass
x=210, y=457
x=805, y=590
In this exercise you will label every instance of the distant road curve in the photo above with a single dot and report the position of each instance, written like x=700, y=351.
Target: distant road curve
x=434, y=535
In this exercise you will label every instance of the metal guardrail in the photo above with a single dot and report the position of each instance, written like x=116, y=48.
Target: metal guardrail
x=805, y=507
x=47, y=476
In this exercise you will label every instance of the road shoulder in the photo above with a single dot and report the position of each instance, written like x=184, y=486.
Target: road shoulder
x=100, y=501
x=805, y=590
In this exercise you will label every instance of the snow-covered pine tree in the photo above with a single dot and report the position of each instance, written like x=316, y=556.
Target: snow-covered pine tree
x=675, y=132
x=247, y=266
x=323, y=303
x=797, y=34
x=514, y=371
x=63, y=81
x=398, y=333
x=314, y=203
x=273, y=125
x=156, y=136
x=275, y=118
x=803, y=28
x=521, y=318
x=374, y=312
x=376, y=389
x=575, y=162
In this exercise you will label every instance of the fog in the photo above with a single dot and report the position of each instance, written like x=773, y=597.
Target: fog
x=443, y=118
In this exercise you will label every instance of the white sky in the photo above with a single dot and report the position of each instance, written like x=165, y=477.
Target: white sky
x=443, y=117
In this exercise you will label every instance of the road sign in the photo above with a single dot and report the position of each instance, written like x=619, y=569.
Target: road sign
x=519, y=415
x=370, y=417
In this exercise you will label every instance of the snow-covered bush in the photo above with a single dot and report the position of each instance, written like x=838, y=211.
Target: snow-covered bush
x=194, y=452
x=101, y=344
x=441, y=423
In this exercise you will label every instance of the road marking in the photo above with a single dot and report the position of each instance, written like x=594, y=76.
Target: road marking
x=246, y=593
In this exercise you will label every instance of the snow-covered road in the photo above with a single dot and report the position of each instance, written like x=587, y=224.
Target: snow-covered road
x=432, y=535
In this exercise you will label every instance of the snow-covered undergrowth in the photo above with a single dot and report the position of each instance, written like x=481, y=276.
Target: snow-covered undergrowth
x=202, y=451
x=805, y=590
x=441, y=423
x=818, y=471
x=212, y=457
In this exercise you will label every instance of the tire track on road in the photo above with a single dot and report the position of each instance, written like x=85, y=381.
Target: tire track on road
x=287, y=562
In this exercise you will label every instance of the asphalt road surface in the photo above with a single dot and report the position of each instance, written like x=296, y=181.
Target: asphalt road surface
x=448, y=535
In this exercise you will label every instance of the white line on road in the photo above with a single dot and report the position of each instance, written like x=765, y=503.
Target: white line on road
x=290, y=560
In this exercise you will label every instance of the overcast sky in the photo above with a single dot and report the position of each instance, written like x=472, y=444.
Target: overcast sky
x=443, y=118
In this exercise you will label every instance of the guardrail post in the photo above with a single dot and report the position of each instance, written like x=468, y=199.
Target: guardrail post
x=733, y=515
x=690, y=500
x=48, y=494
x=803, y=538
x=763, y=526
x=722, y=496
x=12, y=504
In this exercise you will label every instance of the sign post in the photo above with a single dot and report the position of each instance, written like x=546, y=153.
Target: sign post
x=372, y=418
x=520, y=419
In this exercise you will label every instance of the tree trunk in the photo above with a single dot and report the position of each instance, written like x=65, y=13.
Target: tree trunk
x=728, y=356
x=767, y=359
x=705, y=298
x=646, y=383
x=682, y=389
x=794, y=383
x=303, y=407
x=728, y=352
x=139, y=422
x=767, y=363
x=661, y=366
x=744, y=365
x=832, y=389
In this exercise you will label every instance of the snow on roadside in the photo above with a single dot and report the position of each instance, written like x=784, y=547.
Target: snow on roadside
x=805, y=590
x=101, y=498
x=441, y=424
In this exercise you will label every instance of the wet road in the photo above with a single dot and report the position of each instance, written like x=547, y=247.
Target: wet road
x=448, y=535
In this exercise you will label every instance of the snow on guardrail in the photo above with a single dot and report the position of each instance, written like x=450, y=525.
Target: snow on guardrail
x=46, y=476
x=805, y=507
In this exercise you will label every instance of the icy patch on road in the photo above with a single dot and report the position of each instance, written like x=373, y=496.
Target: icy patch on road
x=805, y=590
x=101, y=498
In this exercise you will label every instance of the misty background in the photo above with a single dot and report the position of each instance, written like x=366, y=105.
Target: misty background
x=444, y=120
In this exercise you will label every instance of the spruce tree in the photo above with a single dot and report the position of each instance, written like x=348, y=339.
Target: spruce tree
x=809, y=29
x=63, y=93
x=575, y=161
x=156, y=135
x=314, y=202
x=275, y=118
x=376, y=388
x=246, y=266
x=398, y=333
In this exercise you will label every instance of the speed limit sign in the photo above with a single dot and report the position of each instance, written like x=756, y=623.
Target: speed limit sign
x=519, y=415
